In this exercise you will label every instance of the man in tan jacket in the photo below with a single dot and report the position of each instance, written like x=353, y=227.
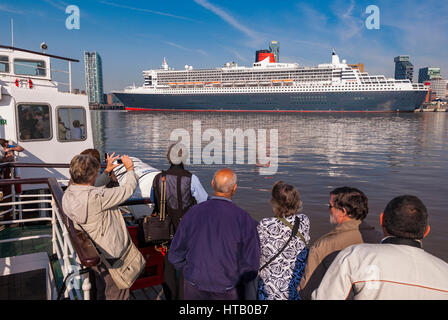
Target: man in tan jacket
x=348, y=208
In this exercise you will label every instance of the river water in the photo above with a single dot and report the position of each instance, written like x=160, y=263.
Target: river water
x=384, y=155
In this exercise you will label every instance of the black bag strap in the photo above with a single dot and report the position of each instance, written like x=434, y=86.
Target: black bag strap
x=162, y=213
x=292, y=228
x=295, y=230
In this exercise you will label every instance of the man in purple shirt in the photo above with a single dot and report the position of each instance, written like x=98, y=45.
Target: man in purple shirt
x=216, y=245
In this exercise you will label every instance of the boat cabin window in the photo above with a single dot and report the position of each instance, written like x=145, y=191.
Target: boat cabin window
x=34, y=122
x=71, y=124
x=29, y=67
x=4, y=64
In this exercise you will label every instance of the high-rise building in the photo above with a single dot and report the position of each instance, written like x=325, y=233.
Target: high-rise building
x=438, y=87
x=403, y=68
x=427, y=74
x=274, y=47
x=94, y=77
x=359, y=66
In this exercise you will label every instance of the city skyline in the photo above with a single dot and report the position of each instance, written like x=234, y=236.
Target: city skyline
x=135, y=37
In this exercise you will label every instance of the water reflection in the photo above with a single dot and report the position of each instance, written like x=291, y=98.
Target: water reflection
x=384, y=155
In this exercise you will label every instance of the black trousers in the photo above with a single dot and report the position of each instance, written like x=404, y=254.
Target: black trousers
x=173, y=281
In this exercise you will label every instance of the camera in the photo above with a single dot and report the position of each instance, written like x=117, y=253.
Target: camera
x=105, y=159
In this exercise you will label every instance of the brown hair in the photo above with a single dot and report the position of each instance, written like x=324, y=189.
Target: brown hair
x=352, y=200
x=94, y=153
x=83, y=168
x=285, y=200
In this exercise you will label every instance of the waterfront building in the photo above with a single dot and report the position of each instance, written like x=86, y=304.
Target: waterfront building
x=359, y=66
x=94, y=77
x=439, y=88
x=274, y=48
x=403, y=68
x=427, y=74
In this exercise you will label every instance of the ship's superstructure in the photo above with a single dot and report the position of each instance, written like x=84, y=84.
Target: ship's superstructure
x=272, y=86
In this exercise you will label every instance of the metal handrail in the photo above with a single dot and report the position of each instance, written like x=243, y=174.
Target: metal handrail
x=83, y=247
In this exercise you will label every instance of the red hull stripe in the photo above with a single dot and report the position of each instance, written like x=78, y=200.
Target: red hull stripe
x=285, y=111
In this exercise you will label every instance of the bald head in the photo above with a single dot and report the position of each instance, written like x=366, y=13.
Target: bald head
x=224, y=182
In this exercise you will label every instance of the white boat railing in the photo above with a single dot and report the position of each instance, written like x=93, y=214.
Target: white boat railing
x=77, y=283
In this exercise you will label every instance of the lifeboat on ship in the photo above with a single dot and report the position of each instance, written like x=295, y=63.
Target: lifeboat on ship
x=264, y=83
x=288, y=82
x=277, y=82
x=227, y=84
x=240, y=83
x=216, y=83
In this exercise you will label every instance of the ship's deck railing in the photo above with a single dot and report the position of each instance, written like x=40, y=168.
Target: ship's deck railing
x=12, y=76
x=74, y=251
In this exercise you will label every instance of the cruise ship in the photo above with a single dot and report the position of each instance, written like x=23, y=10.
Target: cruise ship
x=271, y=86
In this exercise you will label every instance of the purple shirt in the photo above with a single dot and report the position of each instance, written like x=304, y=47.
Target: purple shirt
x=216, y=245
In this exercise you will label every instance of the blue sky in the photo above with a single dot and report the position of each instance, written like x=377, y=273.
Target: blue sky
x=132, y=36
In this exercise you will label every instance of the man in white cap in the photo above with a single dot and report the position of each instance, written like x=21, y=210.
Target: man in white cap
x=183, y=190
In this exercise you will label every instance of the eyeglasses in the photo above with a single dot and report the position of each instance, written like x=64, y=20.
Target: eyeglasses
x=330, y=206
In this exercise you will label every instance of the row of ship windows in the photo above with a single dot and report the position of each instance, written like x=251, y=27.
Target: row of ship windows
x=258, y=91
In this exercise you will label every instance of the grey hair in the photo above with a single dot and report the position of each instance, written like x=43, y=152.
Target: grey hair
x=225, y=187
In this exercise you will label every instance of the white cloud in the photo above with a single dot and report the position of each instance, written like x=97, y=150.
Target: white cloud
x=256, y=37
x=10, y=9
x=147, y=11
x=178, y=46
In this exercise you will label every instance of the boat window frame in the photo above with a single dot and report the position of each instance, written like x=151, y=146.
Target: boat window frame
x=50, y=120
x=6, y=63
x=85, y=122
x=37, y=68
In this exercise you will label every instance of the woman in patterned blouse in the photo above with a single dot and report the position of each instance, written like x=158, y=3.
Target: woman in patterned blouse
x=280, y=278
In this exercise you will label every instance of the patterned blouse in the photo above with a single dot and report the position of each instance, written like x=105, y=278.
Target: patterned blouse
x=279, y=280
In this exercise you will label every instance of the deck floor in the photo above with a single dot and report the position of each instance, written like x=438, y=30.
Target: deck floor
x=45, y=245
x=17, y=248
x=31, y=285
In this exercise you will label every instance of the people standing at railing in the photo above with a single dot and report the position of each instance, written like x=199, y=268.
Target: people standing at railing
x=7, y=150
x=282, y=267
x=216, y=245
x=96, y=210
x=348, y=208
x=182, y=192
x=397, y=268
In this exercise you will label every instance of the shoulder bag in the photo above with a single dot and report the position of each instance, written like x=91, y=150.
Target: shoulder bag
x=157, y=228
x=126, y=269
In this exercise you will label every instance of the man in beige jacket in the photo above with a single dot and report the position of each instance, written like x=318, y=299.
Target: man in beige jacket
x=348, y=208
x=96, y=210
x=396, y=269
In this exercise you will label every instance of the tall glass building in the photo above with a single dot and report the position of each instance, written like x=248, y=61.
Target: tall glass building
x=427, y=74
x=403, y=68
x=94, y=77
x=274, y=46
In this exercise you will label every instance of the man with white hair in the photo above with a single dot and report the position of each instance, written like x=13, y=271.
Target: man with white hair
x=216, y=245
x=183, y=190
